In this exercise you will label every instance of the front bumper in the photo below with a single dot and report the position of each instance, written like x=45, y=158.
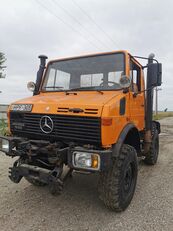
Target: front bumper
x=15, y=146
x=24, y=170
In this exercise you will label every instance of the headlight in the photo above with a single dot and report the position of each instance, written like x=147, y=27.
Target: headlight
x=21, y=107
x=86, y=160
x=4, y=145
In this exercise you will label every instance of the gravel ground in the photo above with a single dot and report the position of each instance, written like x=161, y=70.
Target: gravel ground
x=24, y=207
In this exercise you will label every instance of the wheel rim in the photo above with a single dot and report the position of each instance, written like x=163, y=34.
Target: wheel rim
x=128, y=179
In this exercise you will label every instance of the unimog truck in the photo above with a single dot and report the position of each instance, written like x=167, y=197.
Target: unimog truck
x=91, y=113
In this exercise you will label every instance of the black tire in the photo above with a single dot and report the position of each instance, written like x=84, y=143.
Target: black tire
x=152, y=156
x=117, y=185
x=34, y=181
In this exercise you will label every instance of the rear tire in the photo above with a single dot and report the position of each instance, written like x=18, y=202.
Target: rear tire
x=152, y=156
x=117, y=185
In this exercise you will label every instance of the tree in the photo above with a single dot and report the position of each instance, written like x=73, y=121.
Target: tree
x=2, y=61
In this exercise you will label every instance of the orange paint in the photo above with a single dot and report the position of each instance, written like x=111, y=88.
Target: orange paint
x=106, y=105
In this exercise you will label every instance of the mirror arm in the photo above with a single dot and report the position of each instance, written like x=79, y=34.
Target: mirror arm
x=135, y=94
x=143, y=67
x=125, y=90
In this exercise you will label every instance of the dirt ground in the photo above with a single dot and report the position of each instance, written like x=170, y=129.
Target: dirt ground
x=24, y=207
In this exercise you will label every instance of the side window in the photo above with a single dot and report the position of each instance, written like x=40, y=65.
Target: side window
x=135, y=73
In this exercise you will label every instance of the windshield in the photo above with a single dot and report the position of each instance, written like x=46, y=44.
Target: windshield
x=101, y=72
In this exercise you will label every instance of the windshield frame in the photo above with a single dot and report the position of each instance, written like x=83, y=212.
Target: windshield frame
x=124, y=53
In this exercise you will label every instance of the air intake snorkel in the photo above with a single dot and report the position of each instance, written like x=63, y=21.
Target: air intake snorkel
x=40, y=73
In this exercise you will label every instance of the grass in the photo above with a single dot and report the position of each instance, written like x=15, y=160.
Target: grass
x=3, y=127
x=162, y=115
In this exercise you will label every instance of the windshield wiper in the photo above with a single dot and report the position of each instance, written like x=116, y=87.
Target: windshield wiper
x=81, y=88
x=53, y=87
x=86, y=88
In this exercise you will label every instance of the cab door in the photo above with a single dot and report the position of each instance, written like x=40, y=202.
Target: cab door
x=137, y=95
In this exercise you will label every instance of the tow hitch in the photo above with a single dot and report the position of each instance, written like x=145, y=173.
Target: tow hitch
x=50, y=177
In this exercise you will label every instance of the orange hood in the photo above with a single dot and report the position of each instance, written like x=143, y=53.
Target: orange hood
x=90, y=102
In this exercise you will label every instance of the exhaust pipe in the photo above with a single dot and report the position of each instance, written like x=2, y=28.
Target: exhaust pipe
x=148, y=109
x=40, y=73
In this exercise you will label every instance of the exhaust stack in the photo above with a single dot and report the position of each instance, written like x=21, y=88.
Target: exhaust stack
x=148, y=108
x=149, y=98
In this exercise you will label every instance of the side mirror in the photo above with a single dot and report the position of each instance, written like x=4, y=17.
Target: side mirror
x=125, y=81
x=154, y=74
x=31, y=86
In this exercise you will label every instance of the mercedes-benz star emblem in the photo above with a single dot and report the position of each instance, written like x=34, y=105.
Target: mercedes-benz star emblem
x=46, y=124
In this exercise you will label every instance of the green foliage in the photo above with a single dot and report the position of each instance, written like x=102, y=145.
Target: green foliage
x=3, y=127
x=2, y=61
x=162, y=115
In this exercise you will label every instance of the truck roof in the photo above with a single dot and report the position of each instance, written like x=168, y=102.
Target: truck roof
x=93, y=54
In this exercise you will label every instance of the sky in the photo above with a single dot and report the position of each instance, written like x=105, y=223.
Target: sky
x=62, y=28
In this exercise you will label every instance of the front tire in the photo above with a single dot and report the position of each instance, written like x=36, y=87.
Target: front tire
x=117, y=185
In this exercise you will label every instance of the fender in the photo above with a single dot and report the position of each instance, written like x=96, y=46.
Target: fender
x=122, y=137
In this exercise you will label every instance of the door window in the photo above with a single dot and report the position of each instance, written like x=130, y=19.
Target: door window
x=135, y=73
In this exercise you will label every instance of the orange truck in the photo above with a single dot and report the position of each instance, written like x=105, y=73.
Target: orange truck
x=91, y=114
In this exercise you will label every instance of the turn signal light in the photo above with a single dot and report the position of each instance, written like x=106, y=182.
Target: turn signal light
x=95, y=161
x=106, y=121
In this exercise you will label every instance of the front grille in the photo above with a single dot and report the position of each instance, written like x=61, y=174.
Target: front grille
x=66, y=128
